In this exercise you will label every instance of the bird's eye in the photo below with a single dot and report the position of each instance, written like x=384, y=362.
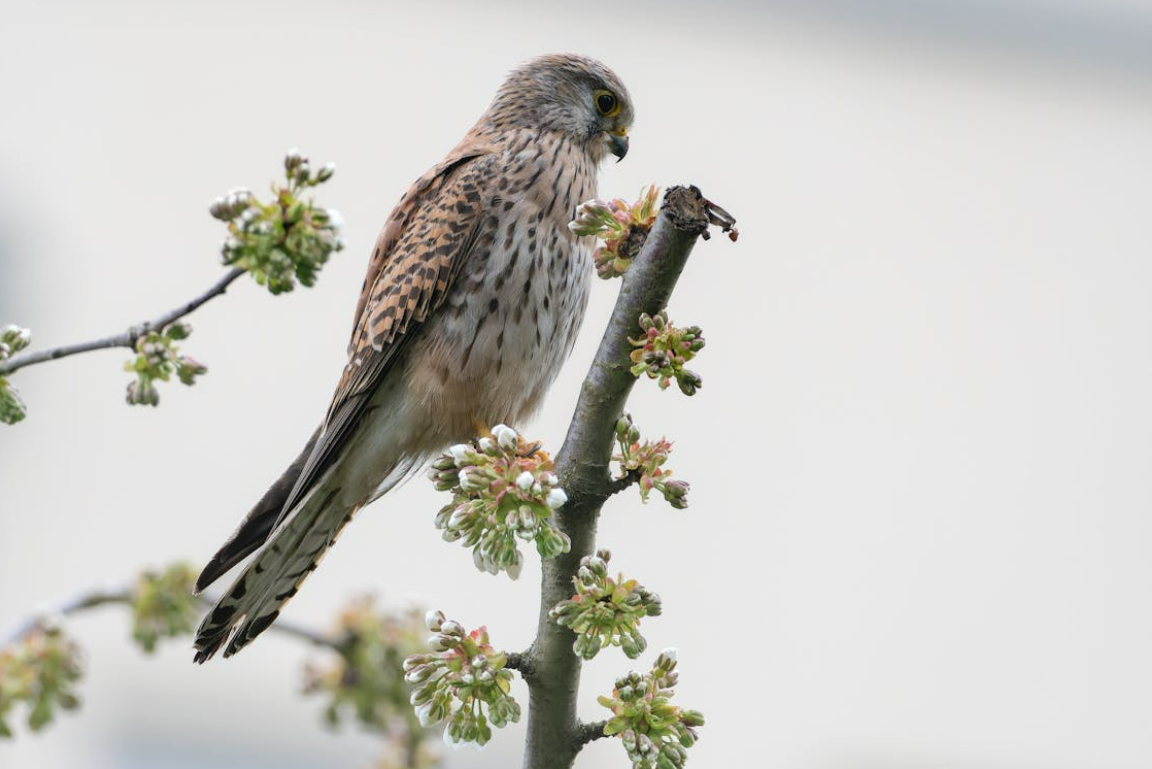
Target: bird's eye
x=606, y=103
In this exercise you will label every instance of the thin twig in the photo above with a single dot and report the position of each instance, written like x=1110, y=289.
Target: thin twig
x=92, y=598
x=124, y=339
x=303, y=633
x=89, y=599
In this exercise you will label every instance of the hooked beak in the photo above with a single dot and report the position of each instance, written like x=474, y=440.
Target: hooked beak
x=619, y=142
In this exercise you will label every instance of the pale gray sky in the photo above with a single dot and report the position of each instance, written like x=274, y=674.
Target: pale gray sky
x=920, y=506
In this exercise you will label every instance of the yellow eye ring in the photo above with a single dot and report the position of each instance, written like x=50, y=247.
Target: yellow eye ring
x=606, y=103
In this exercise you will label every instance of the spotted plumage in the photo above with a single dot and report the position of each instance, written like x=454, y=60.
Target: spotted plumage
x=474, y=293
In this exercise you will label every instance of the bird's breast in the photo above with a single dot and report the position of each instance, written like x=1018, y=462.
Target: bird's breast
x=513, y=313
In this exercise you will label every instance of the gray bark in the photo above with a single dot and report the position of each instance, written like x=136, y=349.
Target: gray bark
x=555, y=733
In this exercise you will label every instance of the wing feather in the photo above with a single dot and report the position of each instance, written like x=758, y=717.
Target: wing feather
x=439, y=222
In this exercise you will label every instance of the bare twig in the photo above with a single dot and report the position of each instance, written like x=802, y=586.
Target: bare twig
x=124, y=339
x=303, y=633
x=92, y=598
x=86, y=600
x=554, y=732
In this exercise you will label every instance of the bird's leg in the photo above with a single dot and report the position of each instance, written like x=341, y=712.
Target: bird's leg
x=482, y=429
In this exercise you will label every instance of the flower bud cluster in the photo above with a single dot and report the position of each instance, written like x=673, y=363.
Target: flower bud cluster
x=461, y=679
x=13, y=339
x=163, y=605
x=502, y=491
x=622, y=226
x=647, y=460
x=656, y=734
x=663, y=349
x=605, y=611
x=157, y=358
x=287, y=240
x=366, y=680
x=41, y=671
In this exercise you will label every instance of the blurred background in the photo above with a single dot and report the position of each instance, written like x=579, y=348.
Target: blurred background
x=920, y=460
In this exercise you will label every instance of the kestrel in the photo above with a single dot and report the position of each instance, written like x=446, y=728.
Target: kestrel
x=475, y=291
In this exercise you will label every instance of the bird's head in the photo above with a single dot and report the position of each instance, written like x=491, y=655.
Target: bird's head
x=573, y=94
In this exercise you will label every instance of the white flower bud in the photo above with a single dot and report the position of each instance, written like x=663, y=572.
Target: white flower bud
x=472, y=479
x=524, y=481
x=459, y=453
x=459, y=517
x=508, y=439
x=556, y=498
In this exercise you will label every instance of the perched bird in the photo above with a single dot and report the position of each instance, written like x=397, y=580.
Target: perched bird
x=474, y=294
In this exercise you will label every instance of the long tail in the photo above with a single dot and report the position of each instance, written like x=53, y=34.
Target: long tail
x=254, y=600
x=257, y=526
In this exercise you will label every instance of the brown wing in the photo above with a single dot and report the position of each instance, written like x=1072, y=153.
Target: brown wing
x=429, y=235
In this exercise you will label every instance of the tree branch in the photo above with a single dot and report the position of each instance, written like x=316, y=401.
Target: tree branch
x=86, y=600
x=586, y=733
x=521, y=662
x=124, y=339
x=554, y=732
x=92, y=598
x=616, y=485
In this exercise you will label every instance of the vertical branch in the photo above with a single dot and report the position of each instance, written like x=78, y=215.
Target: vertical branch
x=554, y=731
